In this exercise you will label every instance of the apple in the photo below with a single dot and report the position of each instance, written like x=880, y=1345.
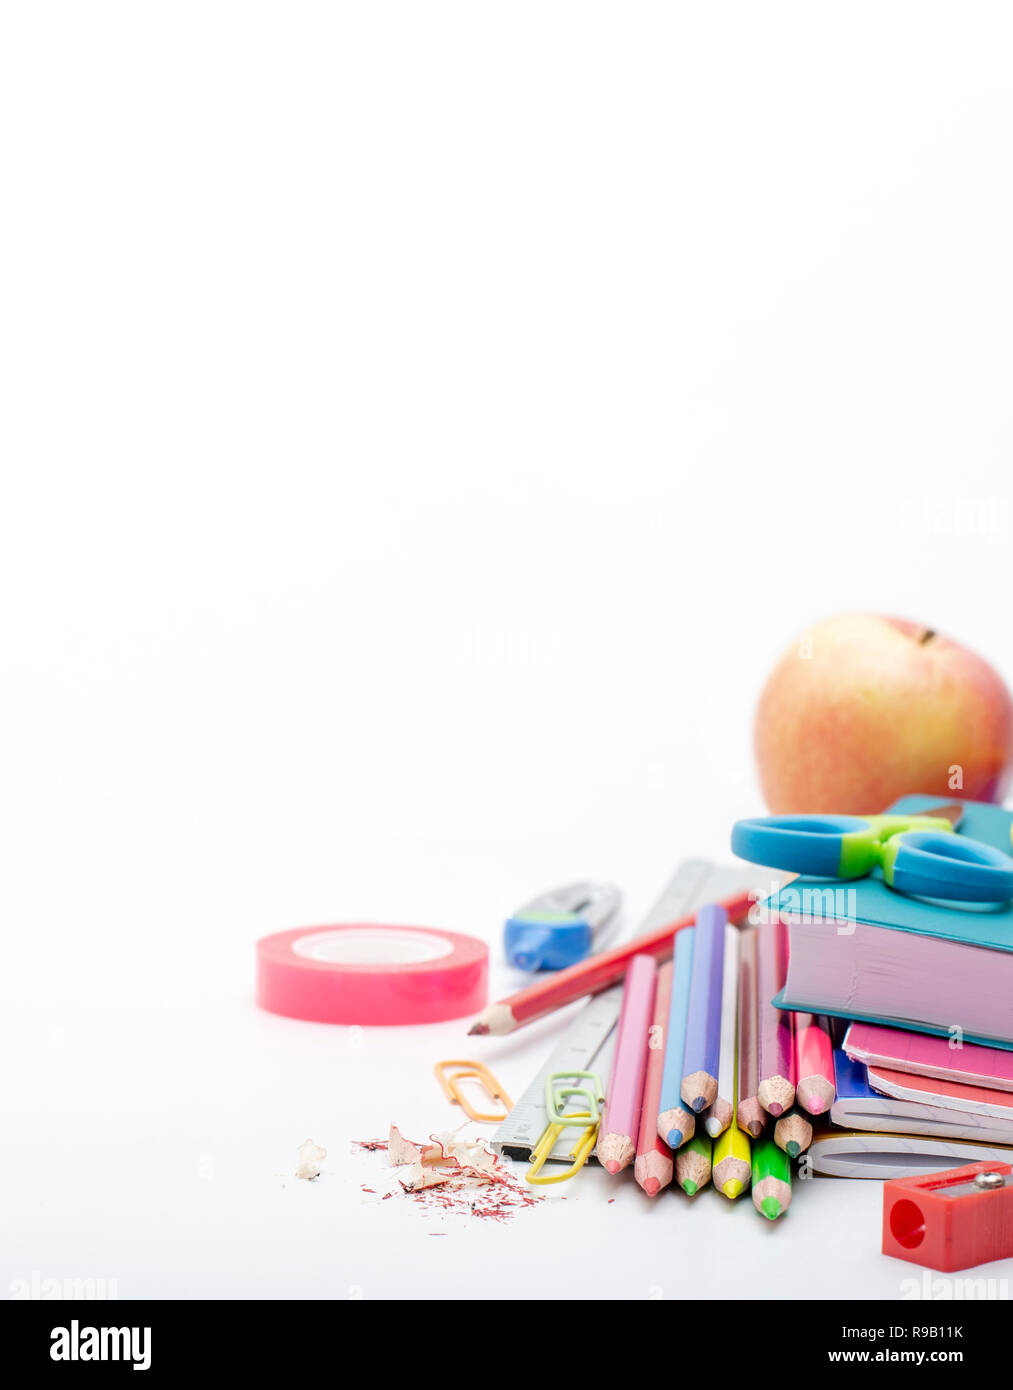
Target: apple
x=865, y=709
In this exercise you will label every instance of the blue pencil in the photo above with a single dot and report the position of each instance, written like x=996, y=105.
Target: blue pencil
x=676, y=1124
x=703, y=1023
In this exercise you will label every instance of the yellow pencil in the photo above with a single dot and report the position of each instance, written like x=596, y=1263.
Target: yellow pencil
x=733, y=1161
x=733, y=1154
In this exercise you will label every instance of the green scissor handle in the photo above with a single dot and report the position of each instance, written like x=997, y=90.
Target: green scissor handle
x=862, y=850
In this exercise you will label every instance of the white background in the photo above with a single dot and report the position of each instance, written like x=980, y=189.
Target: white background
x=423, y=426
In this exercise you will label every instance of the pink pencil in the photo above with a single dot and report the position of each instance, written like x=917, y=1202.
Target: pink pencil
x=620, y=1124
x=815, y=1087
x=654, y=1166
x=775, y=1043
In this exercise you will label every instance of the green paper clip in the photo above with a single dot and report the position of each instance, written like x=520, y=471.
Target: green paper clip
x=557, y=1097
x=588, y=1120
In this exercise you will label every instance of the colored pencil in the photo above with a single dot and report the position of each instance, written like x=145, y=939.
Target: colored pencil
x=589, y=976
x=693, y=1164
x=775, y=1041
x=733, y=1161
x=771, y=1179
x=793, y=1133
x=654, y=1167
x=749, y=1113
x=675, y=1123
x=719, y=1116
x=814, y=1063
x=617, y=1138
x=703, y=1022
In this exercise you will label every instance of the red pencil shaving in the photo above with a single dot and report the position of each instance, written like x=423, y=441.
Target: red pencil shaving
x=449, y=1174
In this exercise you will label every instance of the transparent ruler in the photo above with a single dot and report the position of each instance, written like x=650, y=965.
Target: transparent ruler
x=588, y=1042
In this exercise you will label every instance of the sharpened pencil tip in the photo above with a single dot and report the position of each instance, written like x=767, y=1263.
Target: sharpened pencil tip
x=792, y=1148
x=477, y=1029
x=652, y=1187
x=611, y=1165
x=674, y=1138
x=689, y=1187
x=775, y=1108
x=732, y=1187
x=816, y=1107
x=771, y=1208
x=698, y=1104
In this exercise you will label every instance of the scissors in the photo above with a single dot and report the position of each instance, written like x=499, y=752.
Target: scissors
x=919, y=855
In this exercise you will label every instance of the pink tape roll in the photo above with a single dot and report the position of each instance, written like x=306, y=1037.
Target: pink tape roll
x=366, y=973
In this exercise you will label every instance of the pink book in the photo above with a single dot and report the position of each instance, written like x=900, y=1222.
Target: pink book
x=923, y=1054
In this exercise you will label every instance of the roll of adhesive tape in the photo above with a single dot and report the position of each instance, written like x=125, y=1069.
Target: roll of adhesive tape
x=364, y=973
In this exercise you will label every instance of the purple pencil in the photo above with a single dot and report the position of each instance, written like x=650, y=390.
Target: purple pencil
x=775, y=1038
x=702, y=1051
x=617, y=1138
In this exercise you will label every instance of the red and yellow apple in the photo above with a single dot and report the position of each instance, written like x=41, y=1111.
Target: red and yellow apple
x=865, y=709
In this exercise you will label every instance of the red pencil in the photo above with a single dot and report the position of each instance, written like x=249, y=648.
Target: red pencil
x=815, y=1086
x=775, y=1038
x=749, y=1113
x=654, y=1167
x=589, y=976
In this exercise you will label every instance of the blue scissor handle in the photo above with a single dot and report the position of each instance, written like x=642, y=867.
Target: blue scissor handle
x=805, y=844
x=931, y=865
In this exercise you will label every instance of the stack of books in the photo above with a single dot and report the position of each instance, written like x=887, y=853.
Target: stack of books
x=923, y=997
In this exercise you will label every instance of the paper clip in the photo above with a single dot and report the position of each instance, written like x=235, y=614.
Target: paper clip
x=472, y=1071
x=556, y=1097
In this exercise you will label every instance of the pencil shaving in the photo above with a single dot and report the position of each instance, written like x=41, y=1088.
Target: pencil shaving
x=401, y=1151
x=451, y=1175
x=466, y=1153
x=310, y=1157
x=421, y=1177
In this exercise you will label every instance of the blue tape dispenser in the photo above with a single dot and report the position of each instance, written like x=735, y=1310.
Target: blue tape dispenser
x=562, y=926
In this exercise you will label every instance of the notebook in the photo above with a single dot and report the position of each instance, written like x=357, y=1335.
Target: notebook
x=841, y=1154
x=920, y=1054
x=945, y=1097
x=858, y=1106
x=859, y=950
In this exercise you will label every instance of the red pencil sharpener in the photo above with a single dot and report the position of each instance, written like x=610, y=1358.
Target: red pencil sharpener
x=950, y=1220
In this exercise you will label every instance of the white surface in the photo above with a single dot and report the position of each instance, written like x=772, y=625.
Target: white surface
x=423, y=426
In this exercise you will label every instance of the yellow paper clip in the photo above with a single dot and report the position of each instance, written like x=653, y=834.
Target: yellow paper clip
x=472, y=1071
x=580, y=1152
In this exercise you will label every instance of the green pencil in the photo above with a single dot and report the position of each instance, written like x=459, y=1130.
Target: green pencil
x=693, y=1163
x=771, y=1179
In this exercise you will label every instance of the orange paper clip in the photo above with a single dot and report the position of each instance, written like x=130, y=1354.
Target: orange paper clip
x=472, y=1071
